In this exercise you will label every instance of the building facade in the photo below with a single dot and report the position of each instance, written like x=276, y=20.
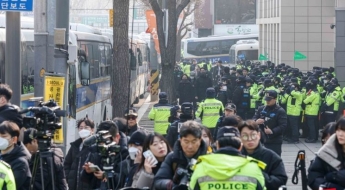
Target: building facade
x=287, y=26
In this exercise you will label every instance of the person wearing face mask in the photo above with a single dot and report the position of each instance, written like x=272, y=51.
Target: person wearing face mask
x=77, y=155
x=185, y=90
x=201, y=84
x=15, y=154
x=131, y=162
x=31, y=143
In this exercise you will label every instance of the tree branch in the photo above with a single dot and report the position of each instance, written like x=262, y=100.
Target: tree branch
x=155, y=7
x=184, y=34
x=185, y=26
x=181, y=6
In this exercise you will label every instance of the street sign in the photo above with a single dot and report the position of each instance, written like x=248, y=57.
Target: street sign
x=16, y=5
x=263, y=58
x=111, y=17
x=299, y=56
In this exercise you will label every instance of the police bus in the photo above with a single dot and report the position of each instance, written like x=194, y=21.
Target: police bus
x=91, y=97
x=211, y=48
x=244, y=50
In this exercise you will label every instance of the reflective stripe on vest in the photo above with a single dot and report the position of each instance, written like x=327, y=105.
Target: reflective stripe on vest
x=211, y=114
x=237, y=178
x=211, y=104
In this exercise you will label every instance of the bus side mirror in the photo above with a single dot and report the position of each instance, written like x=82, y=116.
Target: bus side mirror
x=85, y=73
x=132, y=61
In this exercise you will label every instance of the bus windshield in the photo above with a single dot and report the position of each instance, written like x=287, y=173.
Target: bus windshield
x=248, y=54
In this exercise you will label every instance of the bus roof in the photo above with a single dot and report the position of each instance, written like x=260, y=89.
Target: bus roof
x=221, y=38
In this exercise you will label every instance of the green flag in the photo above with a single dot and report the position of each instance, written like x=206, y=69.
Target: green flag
x=263, y=58
x=299, y=56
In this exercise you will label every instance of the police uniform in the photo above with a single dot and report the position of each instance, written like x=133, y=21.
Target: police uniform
x=312, y=102
x=160, y=113
x=227, y=168
x=210, y=110
x=7, y=180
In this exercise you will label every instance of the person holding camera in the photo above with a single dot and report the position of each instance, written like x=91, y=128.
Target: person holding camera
x=8, y=111
x=78, y=154
x=174, y=128
x=228, y=168
x=15, y=154
x=31, y=143
x=109, y=148
x=272, y=120
x=190, y=146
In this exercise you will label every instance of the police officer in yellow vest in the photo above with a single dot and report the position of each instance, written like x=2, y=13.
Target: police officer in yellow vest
x=7, y=180
x=160, y=114
x=330, y=106
x=210, y=110
x=227, y=168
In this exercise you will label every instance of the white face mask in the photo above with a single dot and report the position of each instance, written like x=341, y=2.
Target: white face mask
x=84, y=133
x=3, y=143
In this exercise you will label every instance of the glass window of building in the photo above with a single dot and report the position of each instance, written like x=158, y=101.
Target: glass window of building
x=235, y=11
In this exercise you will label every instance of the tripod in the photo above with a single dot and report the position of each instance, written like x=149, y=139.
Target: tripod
x=43, y=156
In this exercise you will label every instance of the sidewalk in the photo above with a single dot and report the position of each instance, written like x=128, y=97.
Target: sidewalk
x=289, y=151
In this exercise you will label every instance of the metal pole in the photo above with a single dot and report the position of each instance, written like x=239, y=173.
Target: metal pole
x=61, y=54
x=13, y=75
x=41, y=35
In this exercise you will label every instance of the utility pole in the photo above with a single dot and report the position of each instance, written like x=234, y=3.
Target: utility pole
x=61, y=54
x=44, y=16
x=13, y=75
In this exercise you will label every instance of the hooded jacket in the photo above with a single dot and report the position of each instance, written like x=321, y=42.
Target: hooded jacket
x=274, y=173
x=19, y=159
x=166, y=176
x=73, y=165
x=227, y=168
x=327, y=168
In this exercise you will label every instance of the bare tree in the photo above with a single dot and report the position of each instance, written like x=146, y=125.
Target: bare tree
x=120, y=68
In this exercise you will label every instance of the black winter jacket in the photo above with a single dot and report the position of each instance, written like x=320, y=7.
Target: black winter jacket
x=96, y=159
x=172, y=131
x=274, y=173
x=276, y=119
x=166, y=177
x=60, y=182
x=73, y=165
x=201, y=84
x=328, y=168
x=9, y=112
x=237, y=96
x=186, y=91
x=19, y=159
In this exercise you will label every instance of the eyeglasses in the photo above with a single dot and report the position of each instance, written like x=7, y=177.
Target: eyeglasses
x=246, y=137
x=131, y=117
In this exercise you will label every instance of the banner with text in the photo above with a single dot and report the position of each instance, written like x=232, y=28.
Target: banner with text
x=152, y=28
x=54, y=89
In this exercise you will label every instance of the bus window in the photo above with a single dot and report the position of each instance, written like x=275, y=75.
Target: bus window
x=140, y=57
x=72, y=91
x=102, y=62
x=109, y=58
x=249, y=54
x=226, y=45
x=97, y=59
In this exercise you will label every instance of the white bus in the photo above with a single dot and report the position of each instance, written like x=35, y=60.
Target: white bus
x=244, y=50
x=93, y=97
x=211, y=48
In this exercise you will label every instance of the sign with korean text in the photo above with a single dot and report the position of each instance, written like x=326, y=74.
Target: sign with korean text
x=16, y=5
x=54, y=89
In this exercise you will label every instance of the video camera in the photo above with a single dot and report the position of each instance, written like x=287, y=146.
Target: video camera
x=104, y=142
x=185, y=174
x=45, y=119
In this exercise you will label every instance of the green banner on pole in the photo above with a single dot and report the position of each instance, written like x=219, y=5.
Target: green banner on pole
x=299, y=56
x=263, y=58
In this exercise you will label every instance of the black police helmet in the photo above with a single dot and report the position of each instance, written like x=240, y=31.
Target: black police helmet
x=187, y=108
x=210, y=92
x=163, y=95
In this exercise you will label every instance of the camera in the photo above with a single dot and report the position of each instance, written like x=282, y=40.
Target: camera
x=103, y=141
x=185, y=174
x=45, y=119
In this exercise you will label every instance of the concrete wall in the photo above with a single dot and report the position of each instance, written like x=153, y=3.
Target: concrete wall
x=287, y=26
x=340, y=45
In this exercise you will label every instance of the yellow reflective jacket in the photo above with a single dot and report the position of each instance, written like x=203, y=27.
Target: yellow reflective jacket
x=209, y=112
x=6, y=176
x=223, y=171
x=160, y=115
